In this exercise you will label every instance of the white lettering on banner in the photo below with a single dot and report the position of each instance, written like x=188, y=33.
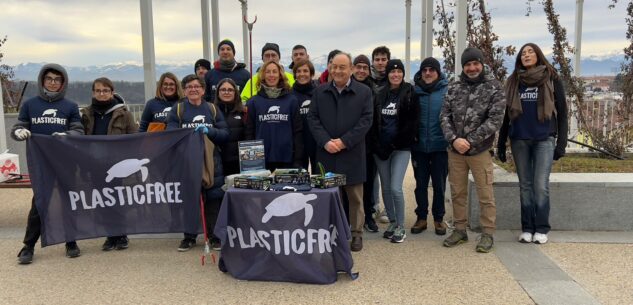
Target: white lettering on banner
x=150, y=193
x=298, y=241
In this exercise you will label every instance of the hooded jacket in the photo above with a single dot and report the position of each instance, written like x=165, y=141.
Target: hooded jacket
x=47, y=114
x=122, y=121
x=430, y=137
x=473, y=112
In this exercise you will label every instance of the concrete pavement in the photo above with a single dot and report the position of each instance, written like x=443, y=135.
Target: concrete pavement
x=574, y=268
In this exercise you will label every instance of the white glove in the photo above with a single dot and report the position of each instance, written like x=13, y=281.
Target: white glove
x=58, y=134
x=22, y=134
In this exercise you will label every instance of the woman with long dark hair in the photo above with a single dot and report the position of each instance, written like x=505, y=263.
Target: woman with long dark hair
x=536, y=122
x=227, y=99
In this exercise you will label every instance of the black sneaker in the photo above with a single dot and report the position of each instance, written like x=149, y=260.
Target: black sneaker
x=186, y=244
x=216, y=244
x=371, y=226
x=25, y=256
x=108, y=244
x=72, y=250
x=122, y=243
x=390, y=229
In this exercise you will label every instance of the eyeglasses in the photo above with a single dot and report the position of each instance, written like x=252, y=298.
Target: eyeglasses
x=53, y=80
x=194, y=87
x=227, y=90
x=104, y=91
x=168, y=85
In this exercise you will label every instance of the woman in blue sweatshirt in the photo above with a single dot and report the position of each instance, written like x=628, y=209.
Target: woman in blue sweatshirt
x=273, y=116
x=168, y=93
x=193, y=112
x=536, y=121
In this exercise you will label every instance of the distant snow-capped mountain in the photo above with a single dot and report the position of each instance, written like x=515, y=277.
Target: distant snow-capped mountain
x=133, y=72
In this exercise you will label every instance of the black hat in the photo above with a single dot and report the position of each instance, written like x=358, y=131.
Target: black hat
x=471, y=54
x=362, y=59
x=202, y=63
x=394, y=64
x=430, y=62
x=226, y=42
x=271, y=46
x=333, y=53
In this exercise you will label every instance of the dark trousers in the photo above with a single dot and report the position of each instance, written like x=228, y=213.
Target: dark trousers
x=368, y=188
x=211, y=211
x=433, y=165
x=33, y=226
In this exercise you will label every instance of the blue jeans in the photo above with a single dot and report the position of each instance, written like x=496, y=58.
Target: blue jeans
x=391, y=173
x=434, y=166
x=533, y=160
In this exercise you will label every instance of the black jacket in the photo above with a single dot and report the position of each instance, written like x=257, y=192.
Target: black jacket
x=348, y=116
x=236, y=120
x=408, y=121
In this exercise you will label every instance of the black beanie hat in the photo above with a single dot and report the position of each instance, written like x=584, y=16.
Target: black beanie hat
x=362, y=59
x=271, y=46
x=471, y=54
x=394, y=64
x=201, y=63
x=430, y=62
x=226, y=42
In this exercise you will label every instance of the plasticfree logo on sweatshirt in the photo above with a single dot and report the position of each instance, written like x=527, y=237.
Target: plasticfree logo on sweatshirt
x=273, y=114
x=131, y=187
x=49, y=116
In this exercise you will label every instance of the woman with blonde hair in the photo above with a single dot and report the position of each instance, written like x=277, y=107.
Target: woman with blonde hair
x=273, y=116
x=168, y=93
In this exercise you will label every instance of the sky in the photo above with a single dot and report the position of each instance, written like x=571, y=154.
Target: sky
x=90, y=32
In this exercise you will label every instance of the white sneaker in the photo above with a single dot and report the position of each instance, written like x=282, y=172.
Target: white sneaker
x=525, y=237
x=383, y=217
x=539, y=238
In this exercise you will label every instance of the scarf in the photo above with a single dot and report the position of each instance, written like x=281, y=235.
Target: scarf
x=272, y=92
x=428, y=88
x=228, y=65
x=536, y=77
x=306, y=88
x=101, y=107
x=377, y=75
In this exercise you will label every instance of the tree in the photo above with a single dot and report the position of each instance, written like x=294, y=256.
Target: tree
x=479, y=35
x=11, y=90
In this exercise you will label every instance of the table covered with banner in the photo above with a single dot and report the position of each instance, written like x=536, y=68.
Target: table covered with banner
x=284, y=236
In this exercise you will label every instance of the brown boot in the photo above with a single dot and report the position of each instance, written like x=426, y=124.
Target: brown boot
x=419, y=226
x=357, y=244
x=440, y=228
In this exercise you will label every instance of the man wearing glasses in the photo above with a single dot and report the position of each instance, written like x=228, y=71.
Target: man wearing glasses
x=47, y=113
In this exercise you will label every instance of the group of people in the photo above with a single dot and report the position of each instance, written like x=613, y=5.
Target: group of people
x=360, y=118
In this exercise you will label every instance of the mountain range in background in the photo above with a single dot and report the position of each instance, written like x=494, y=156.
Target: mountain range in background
x=604, y=65
x=128, y=78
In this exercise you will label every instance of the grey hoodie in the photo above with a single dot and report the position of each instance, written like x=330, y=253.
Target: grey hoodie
x=40, y=82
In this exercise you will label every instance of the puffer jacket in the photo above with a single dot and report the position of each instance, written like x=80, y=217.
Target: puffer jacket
x=430, y=137
x=473, y=112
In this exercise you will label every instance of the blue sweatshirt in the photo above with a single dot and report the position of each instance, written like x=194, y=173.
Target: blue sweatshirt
x=389, y=118
x=156, y=110
x=277, y=122
x=43, y=117
x=527, y=125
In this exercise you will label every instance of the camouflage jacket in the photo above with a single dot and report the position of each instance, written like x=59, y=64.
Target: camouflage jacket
x=473, y=112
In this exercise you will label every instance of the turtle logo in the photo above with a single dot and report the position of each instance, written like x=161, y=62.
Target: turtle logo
x=198, y=119
x=288, y=204
x=305, y=103
x=391, y=106
x=273, y=109
x=127, y=168
x=168, y=109
x=50, y=112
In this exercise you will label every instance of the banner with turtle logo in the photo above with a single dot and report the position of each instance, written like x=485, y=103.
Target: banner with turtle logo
x=94, y=186
x=284, y=236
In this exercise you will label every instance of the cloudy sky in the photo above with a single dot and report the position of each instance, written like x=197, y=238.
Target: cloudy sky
x=90, y=32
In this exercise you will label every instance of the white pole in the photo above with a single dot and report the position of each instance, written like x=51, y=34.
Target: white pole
x=460, y=38
x=207, y=48
x=149, y=56
x=573, y=130
x=3, y=135
x=215, y=19
x=407, y=43
x=426, y=47
x=245, y=30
